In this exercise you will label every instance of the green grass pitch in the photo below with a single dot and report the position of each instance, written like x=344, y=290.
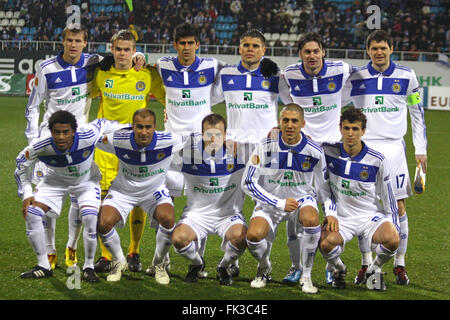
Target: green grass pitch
x=427, y=257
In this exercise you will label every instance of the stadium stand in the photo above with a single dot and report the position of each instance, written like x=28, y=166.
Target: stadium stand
x=417, y=26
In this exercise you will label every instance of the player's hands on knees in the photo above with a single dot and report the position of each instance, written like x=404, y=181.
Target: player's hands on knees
x=422, y=159
x=331, y=224
x=25, y=204
x=139, y=62
x=291, y=205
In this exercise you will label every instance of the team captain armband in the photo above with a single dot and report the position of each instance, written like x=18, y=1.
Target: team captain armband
x=413, y=99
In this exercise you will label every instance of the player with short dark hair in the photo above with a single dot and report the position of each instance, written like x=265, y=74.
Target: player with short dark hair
x=214, y=200
x=286, y=175
x=316, y=84
x=385, y=92
x=144, y=156
x=359, y=177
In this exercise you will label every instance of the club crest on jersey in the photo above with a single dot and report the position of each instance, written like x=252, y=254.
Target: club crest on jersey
x=265, y=84
x=364, y=175
x=39, y=173
x=202, y=80
x=140, y=86
x=86, y=153
x=396, y=87
x=230, y=167
x=109, y=196
x=160, y=155
x=331, y=86
x=306, y=165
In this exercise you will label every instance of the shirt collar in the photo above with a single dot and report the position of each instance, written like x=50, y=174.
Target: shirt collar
x=386, y=72
x=65, y=65
x=359, y=156
x=242, y=69
x=192, y=67
x=298, y=148
x=151, y=146
x=321, y=73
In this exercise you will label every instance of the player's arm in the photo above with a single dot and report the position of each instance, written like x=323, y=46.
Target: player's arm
x=32, y=109
x=346, y=84
x=385, y=192
x=104, y=126
x=106, y=143
x=94, y=88
x=157, y=86
x=251, y=186
x=320, y=174
x=217, y=95
x=417, y=115
x=23, y=172
x=284, y=90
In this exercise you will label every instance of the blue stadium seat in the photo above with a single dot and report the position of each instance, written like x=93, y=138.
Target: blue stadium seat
x=220, y=19
x=25, y=30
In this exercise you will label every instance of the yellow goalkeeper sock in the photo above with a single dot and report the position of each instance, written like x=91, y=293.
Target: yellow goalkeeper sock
x=138, y=217
x=105, y=252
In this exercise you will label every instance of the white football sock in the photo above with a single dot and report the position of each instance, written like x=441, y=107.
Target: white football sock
x=89, y=218
x=190, y=252
x=310, y=241
x=399, y=259
x=111, y=240
x=35, y=234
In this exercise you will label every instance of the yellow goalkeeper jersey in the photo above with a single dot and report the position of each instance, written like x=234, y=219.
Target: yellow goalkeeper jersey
x=122, y=92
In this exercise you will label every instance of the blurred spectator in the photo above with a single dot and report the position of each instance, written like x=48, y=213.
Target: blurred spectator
x=415, y=25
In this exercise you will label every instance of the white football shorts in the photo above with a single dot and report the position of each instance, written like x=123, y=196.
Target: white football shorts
x=395, y=153
x=124, y=203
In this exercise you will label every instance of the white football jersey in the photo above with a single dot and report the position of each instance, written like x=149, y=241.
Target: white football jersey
x=141, y=170
x=359, y=183
x=63, y=87
x=251, y=101
x=213, y=183
x=276, y=171
x=320, y=97
x=69, y=168
x=188, y=92
x=385, y=98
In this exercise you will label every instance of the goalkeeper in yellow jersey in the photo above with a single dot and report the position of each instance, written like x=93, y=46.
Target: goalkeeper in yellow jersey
x=123, y=90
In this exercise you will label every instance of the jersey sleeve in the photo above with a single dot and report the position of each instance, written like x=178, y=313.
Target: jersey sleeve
x=38, y=94
x=346, y=84
x=284, y=90
x=157, y=87
x=179, y=142
x=106, y=143
x=386, y=193
x=417, y=115
x=23, y=172
x=217, y=95
x=250, y=184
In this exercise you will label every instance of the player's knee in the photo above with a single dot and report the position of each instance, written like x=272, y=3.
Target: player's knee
x=393, y=241
x=179, y=239
x=309, y=218
x=237, y=237
x=255, y=235
x=104, y=224
x=325, y=246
